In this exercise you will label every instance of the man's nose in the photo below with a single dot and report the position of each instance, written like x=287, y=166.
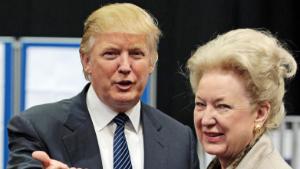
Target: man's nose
x=125, y=64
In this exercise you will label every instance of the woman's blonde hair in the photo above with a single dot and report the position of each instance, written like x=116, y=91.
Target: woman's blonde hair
x=125, y=18
x=257, y=57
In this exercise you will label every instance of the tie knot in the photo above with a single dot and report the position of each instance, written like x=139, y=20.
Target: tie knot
x=121, y=119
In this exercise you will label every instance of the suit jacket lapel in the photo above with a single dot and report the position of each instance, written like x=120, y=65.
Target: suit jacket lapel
x=81, y=142
x=155, y=148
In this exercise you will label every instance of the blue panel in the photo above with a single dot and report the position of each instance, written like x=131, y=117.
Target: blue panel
x=8, y=95
x=146, y=97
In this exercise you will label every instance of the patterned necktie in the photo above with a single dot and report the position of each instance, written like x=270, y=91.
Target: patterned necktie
x=121, y=152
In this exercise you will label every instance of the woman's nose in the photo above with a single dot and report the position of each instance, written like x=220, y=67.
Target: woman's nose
x=208, y=118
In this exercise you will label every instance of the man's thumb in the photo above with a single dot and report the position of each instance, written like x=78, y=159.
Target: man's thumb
x=42, y=157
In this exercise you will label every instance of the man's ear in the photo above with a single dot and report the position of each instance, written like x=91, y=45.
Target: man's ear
x=85, y=61
x=153, y=63
x=262, y=112
x=152, y=67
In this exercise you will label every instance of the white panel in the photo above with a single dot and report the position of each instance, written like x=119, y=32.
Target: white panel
x=52, y=73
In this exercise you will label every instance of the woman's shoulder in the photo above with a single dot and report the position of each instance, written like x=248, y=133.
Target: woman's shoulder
x=274, y=161
x=263, y=155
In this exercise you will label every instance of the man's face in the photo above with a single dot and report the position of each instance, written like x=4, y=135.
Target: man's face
x=118, y=65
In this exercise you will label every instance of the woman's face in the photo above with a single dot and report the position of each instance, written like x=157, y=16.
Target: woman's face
x=223, y=116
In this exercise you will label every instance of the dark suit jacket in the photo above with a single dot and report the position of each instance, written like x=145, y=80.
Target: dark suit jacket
x=65, y=131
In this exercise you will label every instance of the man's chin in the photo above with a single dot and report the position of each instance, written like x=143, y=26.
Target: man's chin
x=125, y=103
x=126, y=97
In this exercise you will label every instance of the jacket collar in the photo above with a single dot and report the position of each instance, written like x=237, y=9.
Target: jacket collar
x=81, y=142
x=155, y=148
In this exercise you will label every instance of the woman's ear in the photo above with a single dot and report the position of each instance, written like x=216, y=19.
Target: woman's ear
x=262, y=112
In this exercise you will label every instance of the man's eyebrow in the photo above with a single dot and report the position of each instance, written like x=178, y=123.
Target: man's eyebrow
x=140, y=46
x=110, y=48
x=136, y=48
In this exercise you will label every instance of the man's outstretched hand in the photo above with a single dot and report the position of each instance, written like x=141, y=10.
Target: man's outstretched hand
x=47, y=162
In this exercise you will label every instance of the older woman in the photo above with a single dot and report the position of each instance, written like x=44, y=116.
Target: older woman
x=238, y=81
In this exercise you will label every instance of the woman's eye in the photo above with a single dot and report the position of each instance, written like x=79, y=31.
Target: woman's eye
x=200, y=105
x=223, y=107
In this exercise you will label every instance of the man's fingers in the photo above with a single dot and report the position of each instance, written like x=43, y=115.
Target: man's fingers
x=54, y=164
x=42, y=157
x=47, y=162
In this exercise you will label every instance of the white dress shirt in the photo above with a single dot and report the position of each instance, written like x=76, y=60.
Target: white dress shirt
x=102, y=117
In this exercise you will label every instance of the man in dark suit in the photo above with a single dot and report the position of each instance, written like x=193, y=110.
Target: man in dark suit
x=118, y=53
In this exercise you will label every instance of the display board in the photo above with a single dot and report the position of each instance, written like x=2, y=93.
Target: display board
x=51, y=71
x=6, y=95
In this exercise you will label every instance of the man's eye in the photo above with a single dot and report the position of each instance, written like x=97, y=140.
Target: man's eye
x=110, y=54
x=137, y=54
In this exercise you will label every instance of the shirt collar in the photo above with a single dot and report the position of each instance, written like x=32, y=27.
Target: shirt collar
x=102, y=115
